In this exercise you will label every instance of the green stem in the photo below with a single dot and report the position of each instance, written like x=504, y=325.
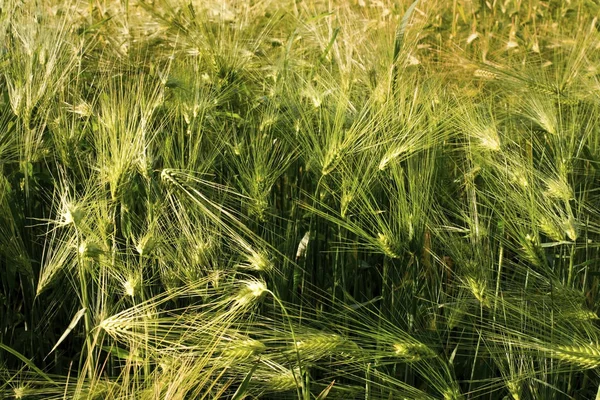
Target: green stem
x=85, y=304
x=500, y=260
x=571, y=266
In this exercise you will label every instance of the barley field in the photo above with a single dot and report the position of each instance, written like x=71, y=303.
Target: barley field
x=300, y=199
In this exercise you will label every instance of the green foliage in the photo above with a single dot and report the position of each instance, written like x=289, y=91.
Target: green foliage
x=299, y=200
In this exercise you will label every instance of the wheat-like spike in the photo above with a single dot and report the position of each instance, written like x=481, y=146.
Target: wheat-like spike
x=284, y=381
x=452, y=393
x=483, y=73
x=585, y=355
x=90, y=249
x=243, y=349
x=258, y=261
x=250, y=292
x=571, y=229
x=388, y=246
x=532, y=250
x=581, y=315
x=332, y=159
x=412, y=351
x=393, y=154
x=542, y=89
x=115, y=326
x=551, y=228
x=478, y=289
x=559, y=189
x=319, y=345
x=514, y=388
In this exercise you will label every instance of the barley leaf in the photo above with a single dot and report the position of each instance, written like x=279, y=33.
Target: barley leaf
x=71, y=326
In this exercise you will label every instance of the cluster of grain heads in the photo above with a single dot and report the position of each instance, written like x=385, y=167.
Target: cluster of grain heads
x=571, y=342
x=42, y=61
x=125, y=130
x=32, y=385
x=205, y=330
x=258, y=163
x=199, y=163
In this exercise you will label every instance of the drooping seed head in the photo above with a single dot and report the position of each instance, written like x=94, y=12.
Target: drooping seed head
x=283, y=381
x=452, y=393
x=393, y=154
x=146, y=244
x=570, y=227
x=412, y=351
x=250, y=292
x=259, y=261
x=584, y=355
x=514, y=388
x=71, y=214
x=130, y=286
x=388, y=245
x=88, y=249
x=318, y=345
x=478, y=289
x=485, y=74
x=559, y=189
x=243, y=349
x=582, y=315
x=551, y=228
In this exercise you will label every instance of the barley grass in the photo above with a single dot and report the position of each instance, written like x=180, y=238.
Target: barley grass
x=299, y=200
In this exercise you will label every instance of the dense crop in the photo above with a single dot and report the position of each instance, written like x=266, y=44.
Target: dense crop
x=299, y=199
